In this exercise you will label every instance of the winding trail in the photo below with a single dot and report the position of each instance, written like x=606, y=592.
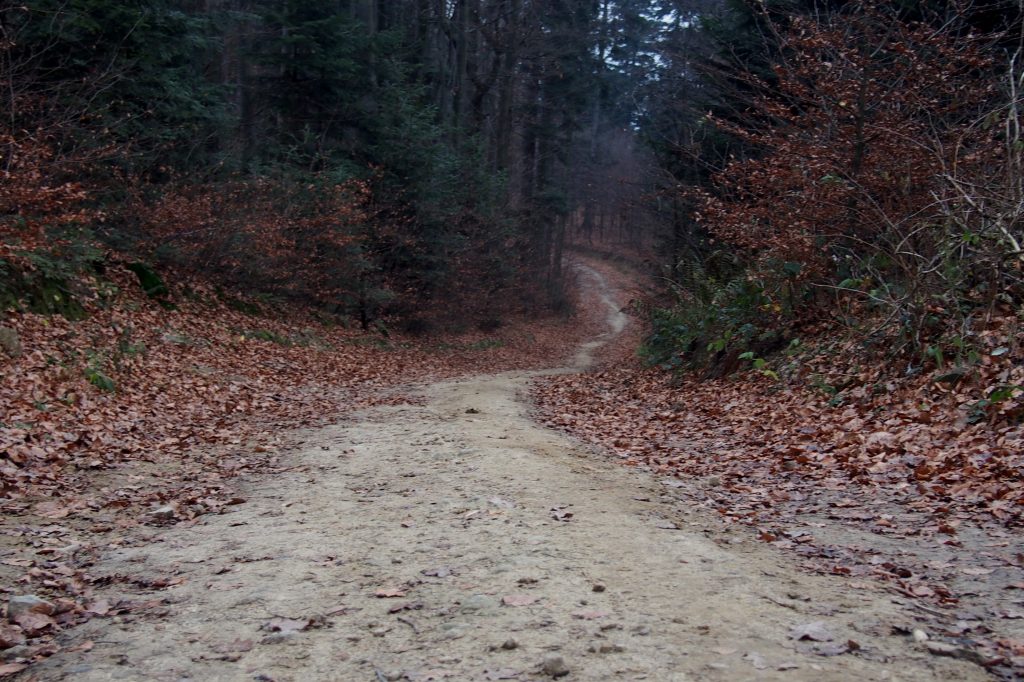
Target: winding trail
x=456, y=505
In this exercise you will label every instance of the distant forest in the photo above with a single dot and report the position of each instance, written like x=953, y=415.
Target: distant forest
x=780, y=163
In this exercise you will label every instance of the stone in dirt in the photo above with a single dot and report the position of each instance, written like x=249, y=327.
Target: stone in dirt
x=27, y=603
x=554, y=666
x=162, y=514
x=479, y=603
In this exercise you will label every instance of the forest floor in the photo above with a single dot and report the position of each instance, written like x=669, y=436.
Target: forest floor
x=440, y=532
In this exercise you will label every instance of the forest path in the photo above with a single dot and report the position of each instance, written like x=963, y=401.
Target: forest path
x=458, y=540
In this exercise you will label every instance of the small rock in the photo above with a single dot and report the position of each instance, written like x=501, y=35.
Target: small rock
x=10, y=342
x=479, y=603
x=510, y=644
x=714, y=481
x=598, y=587
x=27, y=603
x=641, y=630
x=554, y=666
x=167, y=513
x=472, y=410
x=454, y=630
x=920, y=635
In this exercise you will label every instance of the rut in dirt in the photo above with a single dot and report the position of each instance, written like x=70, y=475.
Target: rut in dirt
x=452, y=538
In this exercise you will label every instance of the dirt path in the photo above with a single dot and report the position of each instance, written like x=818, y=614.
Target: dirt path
x=458, y=540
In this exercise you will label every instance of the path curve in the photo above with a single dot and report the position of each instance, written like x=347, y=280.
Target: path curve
x=458, y=540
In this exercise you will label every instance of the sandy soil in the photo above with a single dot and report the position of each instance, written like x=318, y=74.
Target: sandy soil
x=453, y=538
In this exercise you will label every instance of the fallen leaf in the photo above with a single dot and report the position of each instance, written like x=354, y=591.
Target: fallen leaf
x=33, y=623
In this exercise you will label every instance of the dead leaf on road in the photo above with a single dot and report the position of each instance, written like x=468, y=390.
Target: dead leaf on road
x=33, y=623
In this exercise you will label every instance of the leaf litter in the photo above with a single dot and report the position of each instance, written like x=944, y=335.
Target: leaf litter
x=910, y=481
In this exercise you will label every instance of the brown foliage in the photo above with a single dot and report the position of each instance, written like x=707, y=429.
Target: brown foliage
x=295, y=238
x=33, y=197
x=866, y=115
